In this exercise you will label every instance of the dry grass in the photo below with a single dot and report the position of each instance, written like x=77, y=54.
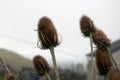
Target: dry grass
x=13, y=58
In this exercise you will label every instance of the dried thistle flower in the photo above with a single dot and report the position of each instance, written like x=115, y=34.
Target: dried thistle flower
x=86, y=26
x=47, y=33
x=10, y=77
x=40, y=64
x=103, y=62
x=113, y=74
x=101, y=40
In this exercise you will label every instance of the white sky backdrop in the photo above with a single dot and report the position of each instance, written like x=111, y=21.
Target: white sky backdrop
x=19, y=18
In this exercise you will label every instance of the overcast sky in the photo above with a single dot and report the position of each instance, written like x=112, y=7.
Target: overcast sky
x=19, y=18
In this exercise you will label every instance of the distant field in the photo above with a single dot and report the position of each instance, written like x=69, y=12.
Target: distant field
x=13, y=58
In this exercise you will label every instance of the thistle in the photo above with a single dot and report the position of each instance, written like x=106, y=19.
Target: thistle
x=41, y=66
x=10, y=77
x=47, y=33
x=87, y=26
x=49, y=39
x=103, y=62
x=101, y=40
x=114, y=74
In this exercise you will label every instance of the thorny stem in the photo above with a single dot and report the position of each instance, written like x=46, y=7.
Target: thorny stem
x=5, y=66
x=47, y=75
x=54, y=63
x=92, y=62
x=111, y=57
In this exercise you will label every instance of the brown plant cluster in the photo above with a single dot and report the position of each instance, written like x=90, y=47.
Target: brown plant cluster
x=99, y=37
x=103, y=57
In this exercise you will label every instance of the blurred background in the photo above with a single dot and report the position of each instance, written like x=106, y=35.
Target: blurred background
x=19, y=19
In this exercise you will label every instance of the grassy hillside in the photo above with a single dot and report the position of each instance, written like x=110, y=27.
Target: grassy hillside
x=13, y=58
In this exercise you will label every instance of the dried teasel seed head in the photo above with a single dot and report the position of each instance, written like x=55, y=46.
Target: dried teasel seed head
x=101, y=40
x=86, y=26
x=113, y=74
x=47, y=33
x=103, y=62
x=10, y=77
x=40, y=64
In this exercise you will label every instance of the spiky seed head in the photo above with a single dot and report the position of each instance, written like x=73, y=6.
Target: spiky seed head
x=47, y=33
x=86, y=26
x=101, y=40
x=10, y=77
x=113, y=74
x=103, y=62
x=40, y=64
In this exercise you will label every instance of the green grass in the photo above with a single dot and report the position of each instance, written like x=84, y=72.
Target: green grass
x=1, y=78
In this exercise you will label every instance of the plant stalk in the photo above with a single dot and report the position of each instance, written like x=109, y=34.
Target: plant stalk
x=105, y=77
x=47, y=75
x=54, y=63
x=92, y=56
x=5, y=66
x=111, y=57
